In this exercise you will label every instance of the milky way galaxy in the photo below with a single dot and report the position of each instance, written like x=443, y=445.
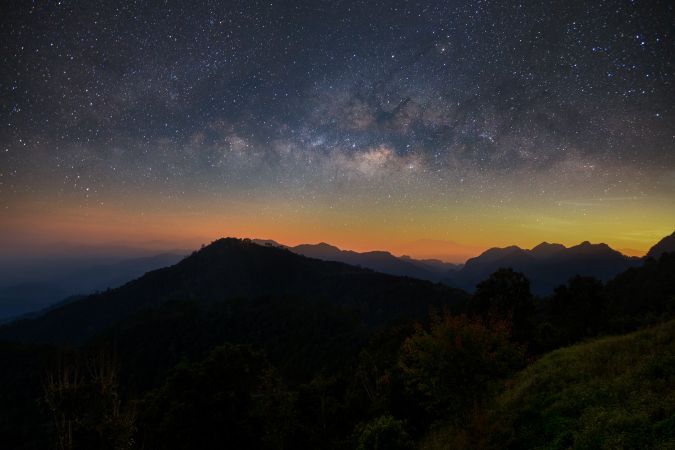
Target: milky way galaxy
x=379, y=124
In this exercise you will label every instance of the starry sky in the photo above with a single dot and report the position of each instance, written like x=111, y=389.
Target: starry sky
x=428, y=128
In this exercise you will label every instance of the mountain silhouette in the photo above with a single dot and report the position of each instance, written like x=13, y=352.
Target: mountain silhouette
x=232, y=268
x=434, y=265
x=665, y=245
x=329, y=334
x=380, y=261
x=546, y=265
x=545, y=250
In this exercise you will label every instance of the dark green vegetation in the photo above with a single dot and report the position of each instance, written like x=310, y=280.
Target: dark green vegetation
x=614, y=392
x=610, y=393
x=256, y=347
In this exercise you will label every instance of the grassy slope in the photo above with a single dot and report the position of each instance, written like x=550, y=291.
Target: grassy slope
x=611, y=393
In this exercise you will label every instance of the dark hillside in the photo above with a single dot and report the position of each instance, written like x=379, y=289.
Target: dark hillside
x=233, y=268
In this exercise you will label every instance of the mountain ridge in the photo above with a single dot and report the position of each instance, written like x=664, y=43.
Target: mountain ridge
x=232, y=268
x=546, y=265
x=378, y=260
x=665, y=245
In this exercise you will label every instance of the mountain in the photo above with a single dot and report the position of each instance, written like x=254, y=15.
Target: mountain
x=546, y=250
x=259, y=341
x=546, y=265
x=268, y=242
x=23, y=298
x=31, y=295
x=380, y=261
x=435, y=265
x=665, y=245
x=641, y=295
x=230, y=269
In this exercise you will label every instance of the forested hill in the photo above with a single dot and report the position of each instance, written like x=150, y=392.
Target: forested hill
x=232, y=268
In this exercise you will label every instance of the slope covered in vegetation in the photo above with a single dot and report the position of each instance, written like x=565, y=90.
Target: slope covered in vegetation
x=611, y=393
x=231, y=268
x=615, y=392
x=266, y=349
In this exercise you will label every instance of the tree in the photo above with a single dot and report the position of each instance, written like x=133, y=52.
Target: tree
x=641, y=295
x=455, y=366
x=577, y=308
x=505, y=296
x=86, y=408
x=230, y=397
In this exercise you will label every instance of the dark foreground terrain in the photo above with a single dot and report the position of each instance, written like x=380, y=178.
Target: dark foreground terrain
x=248, y=346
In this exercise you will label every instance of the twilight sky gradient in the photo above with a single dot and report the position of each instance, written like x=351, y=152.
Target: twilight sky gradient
x=427, y=128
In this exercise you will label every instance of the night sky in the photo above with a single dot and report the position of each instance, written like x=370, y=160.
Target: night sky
x=397, y=125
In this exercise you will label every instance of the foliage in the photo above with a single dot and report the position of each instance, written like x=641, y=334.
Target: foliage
x=505, y=296
x=456, y=365
x=642, y=295
x=231, y=396
x=577, y=310
x=615, y=392
x=86, y=407
x=24, y=424
x=258, y=349
x=384, y=433
x=377, y=380
x=584, y=308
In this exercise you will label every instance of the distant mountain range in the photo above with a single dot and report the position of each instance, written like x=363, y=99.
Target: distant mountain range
x=380, y=261
x=303, y=333
x=546, y=265
x=44, y=290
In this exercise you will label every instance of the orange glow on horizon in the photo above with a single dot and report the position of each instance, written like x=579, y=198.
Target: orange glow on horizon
x=430, y=236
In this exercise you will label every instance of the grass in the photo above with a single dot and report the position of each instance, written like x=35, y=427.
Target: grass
x=611, y=393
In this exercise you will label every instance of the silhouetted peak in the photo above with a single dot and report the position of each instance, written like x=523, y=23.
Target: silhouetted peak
x=545, y=249
x=232, y=245
x=495, y=254
x=548, y=245
x=587, y=244
x=665, y=245
x=226, y=242
x=509, y=249
x=501, y=251
x=326, y=245
x=321, y=246
x=379, y=253
x=588, y=249
x=268, y=243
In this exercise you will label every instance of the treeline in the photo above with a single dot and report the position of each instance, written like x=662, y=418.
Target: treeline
x=289, y=372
